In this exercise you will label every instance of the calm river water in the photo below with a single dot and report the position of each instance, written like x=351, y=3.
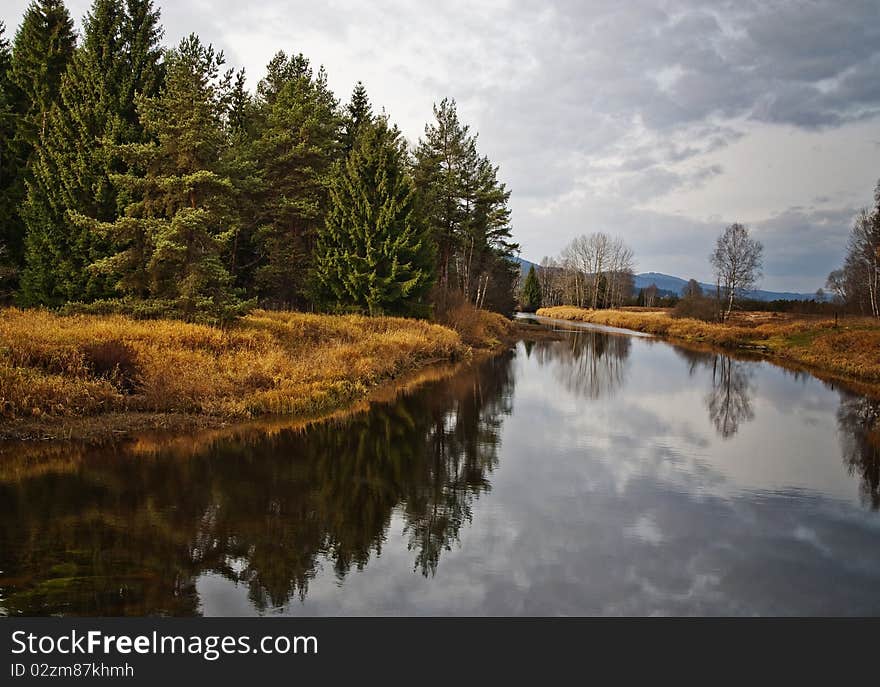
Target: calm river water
x=602, y=474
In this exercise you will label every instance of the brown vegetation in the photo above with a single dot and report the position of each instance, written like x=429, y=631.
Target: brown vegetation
x=54, y=366
x=478, y=328
x=850, y=350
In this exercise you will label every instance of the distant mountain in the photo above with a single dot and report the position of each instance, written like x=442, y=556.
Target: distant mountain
x=666, y=282
x=668, y=285
x=524, y=265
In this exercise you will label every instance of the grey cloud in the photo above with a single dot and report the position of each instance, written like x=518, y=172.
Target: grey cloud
x=590, y=108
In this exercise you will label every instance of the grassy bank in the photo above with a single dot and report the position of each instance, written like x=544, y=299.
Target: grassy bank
x=850, y=350
x=55, y=368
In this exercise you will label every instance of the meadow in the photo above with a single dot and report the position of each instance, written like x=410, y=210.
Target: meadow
x=848, y=348
x=55, y=366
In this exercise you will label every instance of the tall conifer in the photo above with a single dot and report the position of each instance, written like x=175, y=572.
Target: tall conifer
x=531, y=291
x=358, y=112
x=43, y=47
x=373, y=254
x=79, y=150
x=295, y=151
x=182, y=216
x=466, y=207
x=9, y=170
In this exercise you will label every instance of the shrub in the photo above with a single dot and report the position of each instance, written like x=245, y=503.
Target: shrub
x=697, y=308
x=114, y=360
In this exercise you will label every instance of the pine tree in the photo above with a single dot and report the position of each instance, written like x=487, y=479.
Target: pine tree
x=466, y=207
x=439, y=183
x=241, y=109
x=358, y=112
x=181, y=218
x=531, y=292
x=373, y=254
x=297, y=147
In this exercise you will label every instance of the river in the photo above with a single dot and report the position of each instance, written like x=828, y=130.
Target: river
x=598, y=474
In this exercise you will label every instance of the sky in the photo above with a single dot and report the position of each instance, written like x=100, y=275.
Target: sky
x=659, y=122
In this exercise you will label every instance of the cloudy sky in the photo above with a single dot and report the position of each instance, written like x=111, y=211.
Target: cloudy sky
x=657, y=121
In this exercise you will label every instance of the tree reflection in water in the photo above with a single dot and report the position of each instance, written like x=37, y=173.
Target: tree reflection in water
x=111, y=533
x=858, y=417
x=590, y=364
x=729, y=400
x=858, y=420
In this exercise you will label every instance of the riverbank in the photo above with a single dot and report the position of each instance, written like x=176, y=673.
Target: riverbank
x=89, y=375
x=849, y=350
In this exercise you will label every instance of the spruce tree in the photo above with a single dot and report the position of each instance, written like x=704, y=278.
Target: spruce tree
x=295, y=151
x=358, y=112
x=43, y=46
x=373, y=254
x=10, y=256
x=531, y=292
x=79, y=150
x=177, y=228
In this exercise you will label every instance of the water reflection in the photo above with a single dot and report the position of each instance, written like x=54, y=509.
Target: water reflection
x=858, y=418
x=625, y=476
x=587, y=363
x=729, y=400
x=106, y=533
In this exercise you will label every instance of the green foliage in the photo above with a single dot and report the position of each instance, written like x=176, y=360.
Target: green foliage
x=29, y=79
x=10, y=235
x=531, y=292
x=358, y=113
x=44, y=46
x=373, y=253
x=296, y=148
x=181, y=219
x=466, y=208
x=157, y=309
x=78, y=151
x=129, y=174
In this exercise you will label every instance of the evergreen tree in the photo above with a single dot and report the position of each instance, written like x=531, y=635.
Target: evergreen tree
x=531, y=292
x=181, y=218
x=295, y=151
x=358, y=112
x=241, y=110
x=466, y=207
x=9, y=170
x=79, y=150
x=280, y=71
x=438, y=178
x=43, y=46
x=373, y=253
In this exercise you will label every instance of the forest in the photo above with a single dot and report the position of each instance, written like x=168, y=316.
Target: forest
x=152, y=182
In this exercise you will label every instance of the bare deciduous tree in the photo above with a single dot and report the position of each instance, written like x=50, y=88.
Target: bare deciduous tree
x=857, y=285
x=862, y=266
x=737, y=261
x=596, y=271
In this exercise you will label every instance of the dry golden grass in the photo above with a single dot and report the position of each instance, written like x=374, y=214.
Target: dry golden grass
x=478, y=328
x=269, y=362
x=850, y=350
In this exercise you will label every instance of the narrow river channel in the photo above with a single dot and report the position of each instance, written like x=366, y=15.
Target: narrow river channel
x=600, y=474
